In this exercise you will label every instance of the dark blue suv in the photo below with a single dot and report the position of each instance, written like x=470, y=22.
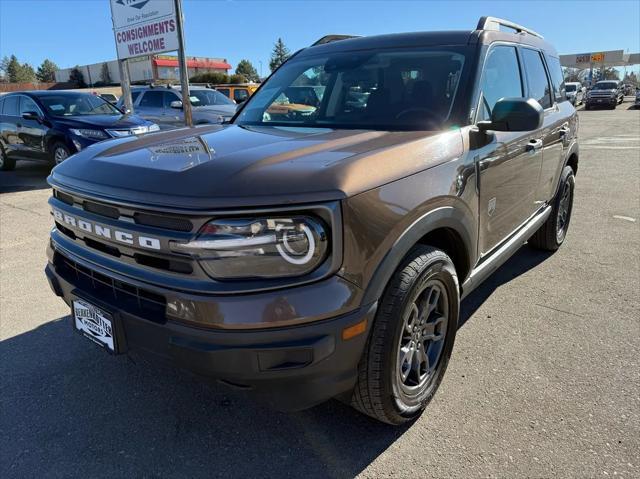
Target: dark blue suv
x=52, y=125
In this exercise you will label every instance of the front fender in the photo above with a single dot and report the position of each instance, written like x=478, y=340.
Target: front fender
x=443, y=217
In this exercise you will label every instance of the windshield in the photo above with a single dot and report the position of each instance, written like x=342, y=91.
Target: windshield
x=79, y=104
x=570, y=87
x=605, y=86
x=387, y=89
x=208, y=97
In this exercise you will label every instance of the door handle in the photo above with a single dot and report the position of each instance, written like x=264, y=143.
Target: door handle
x=563, y=131
x=534, y=145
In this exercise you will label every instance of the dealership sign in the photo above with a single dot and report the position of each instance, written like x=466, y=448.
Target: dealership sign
x=144, y=27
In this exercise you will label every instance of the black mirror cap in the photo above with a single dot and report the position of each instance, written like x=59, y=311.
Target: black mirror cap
x=515, y=114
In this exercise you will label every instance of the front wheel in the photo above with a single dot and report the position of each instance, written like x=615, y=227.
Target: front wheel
x=411, y=340
x=553, y=232
x=59, y=152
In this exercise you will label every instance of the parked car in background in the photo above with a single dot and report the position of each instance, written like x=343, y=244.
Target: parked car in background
x=238, y=92
x=52, y=125
x=163, y=105
x=575, y=92
x=605, y=93
x=325, y=254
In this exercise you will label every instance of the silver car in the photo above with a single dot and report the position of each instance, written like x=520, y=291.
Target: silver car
x=575, y=92
x=163, y=105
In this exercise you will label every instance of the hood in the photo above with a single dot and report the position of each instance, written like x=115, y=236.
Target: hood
x=219, y=166
x=102, y=121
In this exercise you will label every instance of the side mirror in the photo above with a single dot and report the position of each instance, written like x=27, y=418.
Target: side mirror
x=31, y=115
x=176, y=104
x=514, y=114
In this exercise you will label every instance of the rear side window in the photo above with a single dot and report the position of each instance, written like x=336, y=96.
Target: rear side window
x=152, y=99
x=224, y=91
x=169, y=97
x=10, y=107
x=536, y=77
x=557, y=78
x=500, y=79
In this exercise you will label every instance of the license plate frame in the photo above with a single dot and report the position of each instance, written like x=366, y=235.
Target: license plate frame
x=95, y=324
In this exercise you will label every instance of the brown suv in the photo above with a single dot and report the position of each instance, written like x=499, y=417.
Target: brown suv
x=323, y=251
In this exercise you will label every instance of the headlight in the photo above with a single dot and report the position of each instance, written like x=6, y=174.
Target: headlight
x=91, y=134
x=259, y=247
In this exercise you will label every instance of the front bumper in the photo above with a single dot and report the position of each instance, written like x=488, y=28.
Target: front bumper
x=602, y=101
x=292, y=368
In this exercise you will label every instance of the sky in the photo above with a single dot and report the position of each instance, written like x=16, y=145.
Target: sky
x=75, y=32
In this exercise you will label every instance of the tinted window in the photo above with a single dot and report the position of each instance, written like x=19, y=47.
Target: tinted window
x=536, y=77
x=240, y=95
x=10, y=107
x=169, y=96
x=224, y=91
x=500, y=79
x=134, y=96
x=152, y=99
x=208, y=97
x=605, y=86
x=557, y=78
x=570, y=88
x=1, y=104
x=76, y=104
x=27, y=104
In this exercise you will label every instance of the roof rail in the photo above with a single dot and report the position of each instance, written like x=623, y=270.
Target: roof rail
x=494, y=23
x=333, y=38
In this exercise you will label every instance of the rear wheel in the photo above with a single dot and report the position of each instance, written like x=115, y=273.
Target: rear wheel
x=6, y=163
x=553, y=232
x=411, y=340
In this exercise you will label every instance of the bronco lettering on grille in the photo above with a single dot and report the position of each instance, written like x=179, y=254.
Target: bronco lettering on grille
x=106, y=232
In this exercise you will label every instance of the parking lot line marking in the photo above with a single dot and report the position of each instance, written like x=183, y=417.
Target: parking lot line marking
x=626, y=218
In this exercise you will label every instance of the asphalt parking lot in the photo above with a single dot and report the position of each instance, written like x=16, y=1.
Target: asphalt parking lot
x=544, y=380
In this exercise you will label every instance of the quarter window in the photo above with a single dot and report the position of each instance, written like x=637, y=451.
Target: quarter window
x=240, y=95
x=10, y=107
x=557, y=78
x=500, y=79
x=152, y=99
x=536, y=77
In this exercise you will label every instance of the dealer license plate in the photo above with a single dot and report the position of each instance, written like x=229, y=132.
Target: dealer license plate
x=94, y=323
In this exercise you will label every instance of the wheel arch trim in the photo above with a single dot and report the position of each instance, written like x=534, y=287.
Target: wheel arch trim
x=443, y=217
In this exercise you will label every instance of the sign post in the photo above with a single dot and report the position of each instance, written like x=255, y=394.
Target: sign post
x=184, y=71
x=149, y=27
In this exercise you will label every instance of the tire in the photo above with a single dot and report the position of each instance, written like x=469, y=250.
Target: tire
x=553, y=232
x=59, y=152
x=6, y=163
x=423, y=292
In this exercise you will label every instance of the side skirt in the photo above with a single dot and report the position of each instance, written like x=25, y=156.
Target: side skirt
x=504, y=252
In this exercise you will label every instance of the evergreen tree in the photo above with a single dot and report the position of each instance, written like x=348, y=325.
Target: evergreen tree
x=279, y=55
x=247, y=70
x=13, y=69
x=47, y=71
x=76, y=77
x=26, y=74
x=105, y=76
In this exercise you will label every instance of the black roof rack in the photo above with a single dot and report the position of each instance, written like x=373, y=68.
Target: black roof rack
x=333, y=38
x=494, y=23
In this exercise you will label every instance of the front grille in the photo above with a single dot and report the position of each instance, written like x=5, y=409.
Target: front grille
x=123, y=296
x=166, y=228
x=100, y=209
x=165, y=222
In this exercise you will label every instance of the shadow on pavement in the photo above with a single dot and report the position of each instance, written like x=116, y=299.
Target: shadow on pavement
x=70, y=410
x=525, y=259
x=28, y=175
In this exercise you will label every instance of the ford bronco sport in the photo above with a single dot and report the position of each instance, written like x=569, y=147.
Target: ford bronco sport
x=324, y=251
